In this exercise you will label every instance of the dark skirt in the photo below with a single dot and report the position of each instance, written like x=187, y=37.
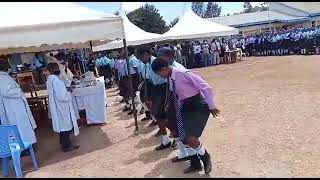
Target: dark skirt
x=124, y=91
x=105, y=71
x=135, y=81
x=195, y=114
x=157, y=94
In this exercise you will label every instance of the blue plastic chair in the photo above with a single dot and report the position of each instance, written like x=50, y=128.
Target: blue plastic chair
x=13, y=149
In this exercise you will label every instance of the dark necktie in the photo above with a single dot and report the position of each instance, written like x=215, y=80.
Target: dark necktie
x=145, y=83
x=178, y=106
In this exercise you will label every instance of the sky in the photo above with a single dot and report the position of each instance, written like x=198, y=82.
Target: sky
x=169, y=10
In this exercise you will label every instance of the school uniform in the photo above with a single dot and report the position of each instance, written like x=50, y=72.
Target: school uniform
x=195, y=109
x=193, y=101
x=197, y=55
x=123, y=80
x=155, y=90
x=105, y=69
x=171, y=113
x=134, y=65
x=205, y=55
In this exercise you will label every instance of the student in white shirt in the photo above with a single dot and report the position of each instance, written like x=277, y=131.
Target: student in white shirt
x=197, y=54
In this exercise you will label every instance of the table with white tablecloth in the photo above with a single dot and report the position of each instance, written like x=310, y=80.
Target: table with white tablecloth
x=93, y=100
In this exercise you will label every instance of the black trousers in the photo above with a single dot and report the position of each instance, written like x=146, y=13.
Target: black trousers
x=65, y=139
x=189, y=61
x=197, y=59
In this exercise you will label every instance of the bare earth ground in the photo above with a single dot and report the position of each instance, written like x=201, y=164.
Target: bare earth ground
x=268, y=127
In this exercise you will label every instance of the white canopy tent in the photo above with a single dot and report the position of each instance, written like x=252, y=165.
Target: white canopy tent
x=134, y=36
x=191, y=26
x=42, y=26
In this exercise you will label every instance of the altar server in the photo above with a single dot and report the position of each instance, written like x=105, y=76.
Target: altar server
x=193, y=99
x=14, y=108
x=62, y=113
x=65, y=74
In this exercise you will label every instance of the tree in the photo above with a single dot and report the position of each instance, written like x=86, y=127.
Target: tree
x=198, y=8
x=213, y=10
x=116, y=13
x=173, y=22
x=148, y=18
x=206, y=10
x=264, y=6
x=247, y=7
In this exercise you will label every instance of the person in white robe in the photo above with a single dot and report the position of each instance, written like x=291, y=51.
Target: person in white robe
x=65, y=74
x=14, y=108
x=61, y=109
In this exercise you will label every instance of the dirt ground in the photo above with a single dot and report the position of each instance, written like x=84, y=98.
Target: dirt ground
x=268, y=127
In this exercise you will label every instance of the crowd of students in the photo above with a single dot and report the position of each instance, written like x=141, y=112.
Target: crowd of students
x=196, y=55
x=289, y=41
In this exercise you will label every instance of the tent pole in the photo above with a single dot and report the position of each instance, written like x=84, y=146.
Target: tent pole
x=92, y=53
x=132, y=94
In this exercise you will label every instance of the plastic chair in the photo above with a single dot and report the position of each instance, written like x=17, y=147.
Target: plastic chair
x=240, y=54
x=12, y=145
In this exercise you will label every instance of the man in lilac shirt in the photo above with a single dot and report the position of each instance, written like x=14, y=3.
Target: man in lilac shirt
x=197, y=103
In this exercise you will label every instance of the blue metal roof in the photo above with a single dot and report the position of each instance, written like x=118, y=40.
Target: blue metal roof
x=271, y=21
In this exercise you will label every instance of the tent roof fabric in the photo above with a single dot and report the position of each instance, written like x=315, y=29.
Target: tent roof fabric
x=182, y=30
x=255, y=18
x=191, y=26
x=35, y=26
x=134, y=36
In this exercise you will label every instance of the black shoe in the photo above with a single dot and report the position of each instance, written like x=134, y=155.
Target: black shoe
x=71, y=148
x=157, y=134
x=146, y=119
x=195, y=165
x=176, y=159
x=206, y=159
x=152, y=124
x=25, y=153
x=174, y=144
x=126, y=109
x=130, y=112
x=162, y=147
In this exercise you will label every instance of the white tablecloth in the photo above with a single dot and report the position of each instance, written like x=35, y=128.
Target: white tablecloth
x=94, y=100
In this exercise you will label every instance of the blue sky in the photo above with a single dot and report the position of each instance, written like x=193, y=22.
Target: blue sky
x=169, y=10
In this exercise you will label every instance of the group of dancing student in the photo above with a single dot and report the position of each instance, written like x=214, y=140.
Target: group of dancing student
x=177, y=99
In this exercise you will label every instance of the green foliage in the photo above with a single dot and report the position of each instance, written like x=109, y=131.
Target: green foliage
x=248, y=8
x=174, y=22
x=148, y=18
x=206, y=9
